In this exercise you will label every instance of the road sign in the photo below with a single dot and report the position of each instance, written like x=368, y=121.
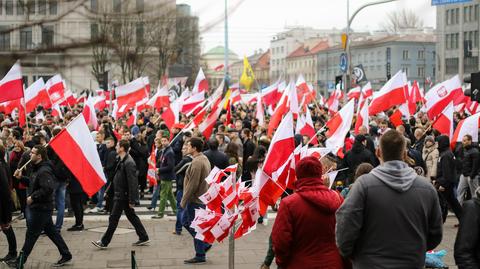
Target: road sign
x=343, y=62
x=446, y=2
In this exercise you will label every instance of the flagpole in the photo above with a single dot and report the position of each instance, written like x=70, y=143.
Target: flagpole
x=24, y=110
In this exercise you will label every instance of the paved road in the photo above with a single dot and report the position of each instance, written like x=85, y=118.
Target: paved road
x=166, y=250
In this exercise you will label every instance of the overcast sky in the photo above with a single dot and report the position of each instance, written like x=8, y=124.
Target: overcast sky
x=255, y=22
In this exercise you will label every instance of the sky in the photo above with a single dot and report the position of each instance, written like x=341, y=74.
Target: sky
x=254, y=22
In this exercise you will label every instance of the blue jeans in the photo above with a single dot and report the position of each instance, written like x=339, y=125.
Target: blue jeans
x=178, y=224
x=155, y=196
x=60, y=204
x=187, y=218
x=100, y=195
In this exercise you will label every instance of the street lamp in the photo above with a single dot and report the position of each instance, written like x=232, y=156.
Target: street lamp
x=347, y=47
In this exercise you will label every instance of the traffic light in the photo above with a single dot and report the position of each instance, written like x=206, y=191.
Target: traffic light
x=475, y=87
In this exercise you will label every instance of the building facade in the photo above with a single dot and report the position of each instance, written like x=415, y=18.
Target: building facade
x=260, y=63
x=50, y=37
x=458, y=37
x=213, y=62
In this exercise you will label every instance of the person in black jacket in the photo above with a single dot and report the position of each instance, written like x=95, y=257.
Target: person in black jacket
x=139, y=153
x=469, y=170
x=166, y=173
x=216, y=158
x=180, y=170
x=125, y=196
x=110, y=165
x=357, y=155
x=467, y=244
x=248, y=149
x=446, y=176
x=40, y=203
x=6, y=206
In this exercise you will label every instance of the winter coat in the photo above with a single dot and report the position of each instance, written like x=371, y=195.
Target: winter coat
x=139, y=153
x=446, y=172
x=467, y=243
x=356, y=156
x=177, y=146
x=390, y=218
x=42, y=184
x=15, y=158
x=194, y=184
x=248, y=149
x=217, y=158
x=181, y=169
x=470, y=161
x=166, y=164
x=125, y=182
x=430, y=157
x=6, y=204
x=303, y=235
x=110, y=164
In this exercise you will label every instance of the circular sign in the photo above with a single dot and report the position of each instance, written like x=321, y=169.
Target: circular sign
x=343, y=62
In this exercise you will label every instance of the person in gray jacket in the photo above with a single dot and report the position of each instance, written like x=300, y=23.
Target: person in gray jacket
x=391, y=216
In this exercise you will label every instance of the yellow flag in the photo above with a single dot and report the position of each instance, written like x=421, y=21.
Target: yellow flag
x=247, y=77
x=227, y=97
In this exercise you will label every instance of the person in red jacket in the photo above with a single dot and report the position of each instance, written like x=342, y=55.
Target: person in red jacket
x=303, y=235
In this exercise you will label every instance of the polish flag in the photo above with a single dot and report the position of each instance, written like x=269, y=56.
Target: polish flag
x=201, y=83
x=466, y=126
x=334, y=100
x=131, y=93
x=250, y=215
x=76, y=148
x=35, y=95
x=339, y=125
x=56, y=89
x=212, y=198
x=414, y=96
x=132, y=119
x=260, y=113
x=281, y=146
x=11, y=86
x=230, y=196
x=160, y=99
x=308, y=128
x=89, y=114
x=367, y=90
x=391, y=94
x=56, y=111
x=438, y=97
x=206, y=127
x=354, y=93
x=70, y=99
x=99, y=102
x=235, y=96
x=146, y=84
x=192, y=102
x=277, y=115
x=444, y=122
x=152, y=169
x=271, y=95
x=293, y=100
x=396, y=118
x=304, y=90
x=472, y=107
x=362, y=118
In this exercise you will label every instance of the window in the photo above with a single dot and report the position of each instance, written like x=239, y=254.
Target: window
x=9, y=7
x=475, y=39
x=42, y=7
x=20, y=8
x=451, y=65
x=117, y=6
x=94, y=5
x=93, y=31
x=421, y=54
x=4, y=38
x=456, y=40
x=447, y=17
x=140, y=33
x=47, y=36
x=52, y=5
x=31, y=6
x=140, y=5
x=405, y=55
x=465, y=14
x=405, y=70
x=476, y=12
x=117, y=29
x=421, y=72
x=26, y=38
x=282, y=49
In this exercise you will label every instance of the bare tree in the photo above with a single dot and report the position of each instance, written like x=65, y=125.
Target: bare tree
x=100, y=46
x=402, y=20
x=162, y=38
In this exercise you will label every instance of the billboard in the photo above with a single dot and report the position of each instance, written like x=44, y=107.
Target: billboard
x=446, y=2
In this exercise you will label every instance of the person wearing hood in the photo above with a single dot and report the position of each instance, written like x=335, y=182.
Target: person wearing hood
x=303, y=235
x=430, y=156
x=392, y=197
x=467, y=244
x=357, y=155
x=447, y=176
x=469, y=170
x=40, y=202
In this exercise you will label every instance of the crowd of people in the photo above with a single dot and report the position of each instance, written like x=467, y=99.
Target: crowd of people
x=385, y=210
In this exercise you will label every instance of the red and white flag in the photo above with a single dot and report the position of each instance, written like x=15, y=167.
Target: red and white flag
x=304, y=90
x=466, y=126
x=391, y=94
x=131, y=93
x=334, y=100
x=11, y=86
x=339, y=125
x=260, y=113
x=35, y=95
x=70, y=99
x=194, y=101
x=354, y=93
x=281, y=146
x=308, y=128
x=271, y=95
x=89, y=114
x=76, y=148
x=438, y=97
x=444, y=122
x=160, y=99
x=56, y=111
x=362, y=118
x=132, y=119
x=152, y=169
x=201, y=83
x=56, y=89
x=293, y=99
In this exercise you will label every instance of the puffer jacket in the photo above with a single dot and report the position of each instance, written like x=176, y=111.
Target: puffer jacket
x=125, y=182
x=6, y=204
x=467, y=243
x=42, y=186
x=446, y=172
x=430, y=157
x=303, y=235
x=470, y=161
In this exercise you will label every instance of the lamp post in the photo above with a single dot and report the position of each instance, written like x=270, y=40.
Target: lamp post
x=347, y=32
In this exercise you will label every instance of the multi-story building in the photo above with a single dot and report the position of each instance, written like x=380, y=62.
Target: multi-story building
x=381, y=57
x=260, y=63
x=458, y=39
x=56, y=36
x=213, y=62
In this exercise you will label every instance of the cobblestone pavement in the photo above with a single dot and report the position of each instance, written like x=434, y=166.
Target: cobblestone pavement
x=166, y=250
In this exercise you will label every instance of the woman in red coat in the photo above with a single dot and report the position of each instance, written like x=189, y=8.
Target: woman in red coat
x=303, y=235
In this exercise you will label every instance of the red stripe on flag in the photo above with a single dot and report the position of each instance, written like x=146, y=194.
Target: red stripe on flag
x=11, y=90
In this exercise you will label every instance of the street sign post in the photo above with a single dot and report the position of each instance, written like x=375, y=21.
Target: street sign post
x=343, y=62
